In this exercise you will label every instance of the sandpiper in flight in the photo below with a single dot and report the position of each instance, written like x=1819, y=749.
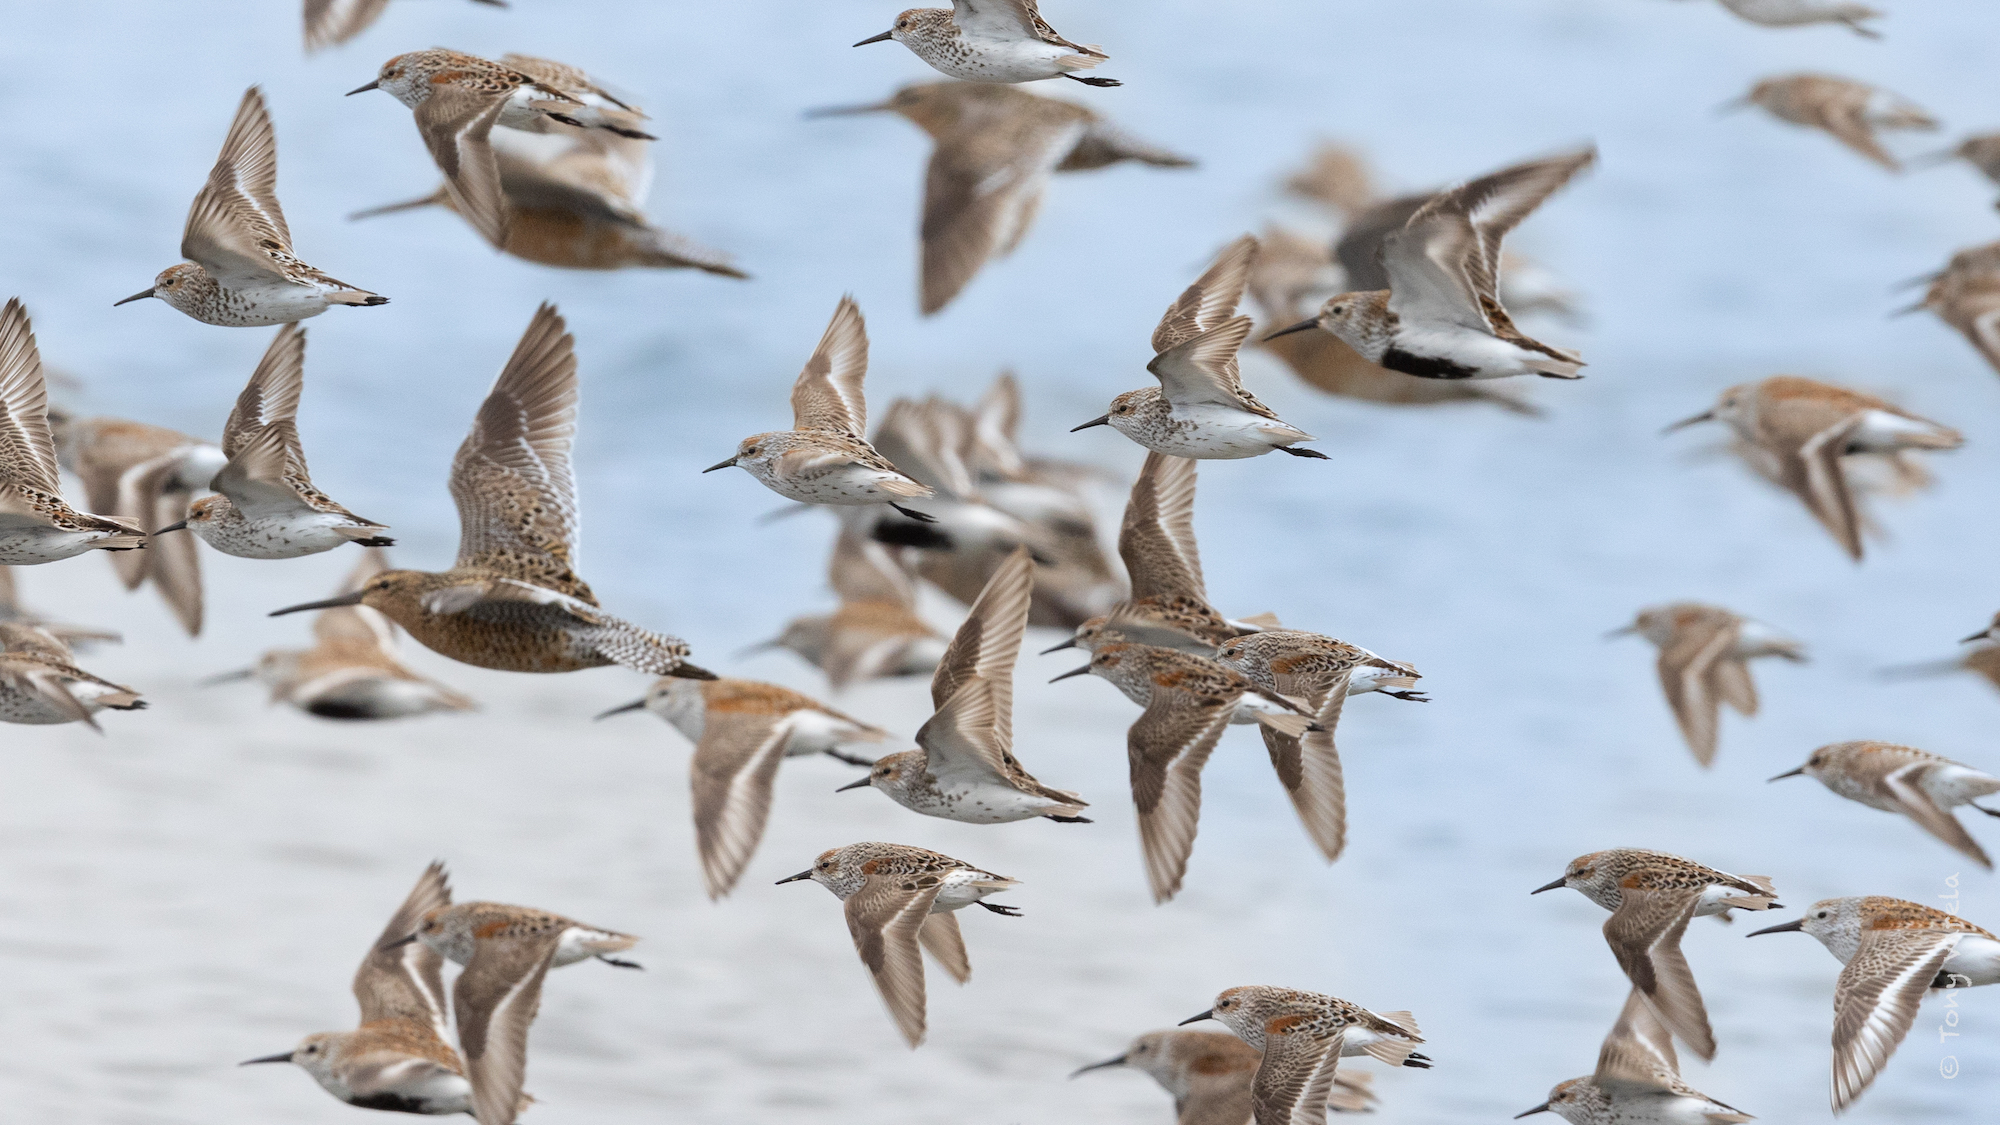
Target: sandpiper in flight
x=1903, y=779
x=240, y=270
x=1705, y=654
x=993, y=41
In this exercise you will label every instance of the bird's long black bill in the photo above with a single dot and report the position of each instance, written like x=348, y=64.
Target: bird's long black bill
x=139, y=296
x=375, y=85
x=1704, y=416
x=226, y=677
x=806, y=874
x=1979, y=636
x=286, y=1057
x=720, y=465
x=1070, y=643
x=1787, y=773
x=635, y=705
x=862, y=784
x=1119, y=1061
x=181, y=526
x=1100, y=420
x=1550, y=886
x=1788, y=927
x=1208, y=1015
x=328, y=603
x=847, y=110
x=1542, y=1108
x=1301, y=326
x=1083, y=671
x=882, y=38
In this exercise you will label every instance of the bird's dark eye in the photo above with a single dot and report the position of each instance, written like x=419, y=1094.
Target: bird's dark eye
x=1822, y=914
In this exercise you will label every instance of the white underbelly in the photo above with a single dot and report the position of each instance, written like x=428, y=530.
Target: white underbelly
x=29, y=546
x=1976, y=958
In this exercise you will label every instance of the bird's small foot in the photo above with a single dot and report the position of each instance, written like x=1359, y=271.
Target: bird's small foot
x=920, y=517
x=632, y=133
x=1554, y=375
x=1421, y=1062
x=1067, y=820
x=1312, y=453
x=850, y=759
x=1094, y=81
x=619, y=963
x=375, y=541
x=1009, y=911
x=1410, y=696
x=373, y=300
x=567, y=120
x=1987, y=811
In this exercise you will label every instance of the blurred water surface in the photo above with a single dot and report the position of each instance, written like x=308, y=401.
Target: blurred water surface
x=195, y=888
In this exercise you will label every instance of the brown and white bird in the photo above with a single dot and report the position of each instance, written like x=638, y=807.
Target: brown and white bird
x=1795, y=432
x=1849, y=111
x=1200, y=408
x=742, y=730
x=1189, y=701
x=36, y=524
x=513, y=600
x=876, y=632
x=573, y=198
x=459, y=99
x=1705, y=654
x=896, y=899
x=1652, y=896
x=1893, y=954
x=1965, y=294
x=40, y=684
x=1637, y=1081
x=266, y=506
x=964, y=767
x=992, y=41
x=1803, y=13
x=352, y=672
x=1302, y=1037
x=1209, y=1075
x=1903, y=779
x=149, y=475
x=1441, y=316
x=994, y=150
x=240, y=270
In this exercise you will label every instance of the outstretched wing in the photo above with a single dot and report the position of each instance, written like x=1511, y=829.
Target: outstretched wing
x=1167, y=748
x=1156, y=539
x=827, y=395
x=1211, y=301
x=27, y=451
x=496, y=999
x=235, y=226
x=982, y=188
x=402, y=979
x=511, y=479
x=734, y=765
x=1875, y=1002
x=885, y=918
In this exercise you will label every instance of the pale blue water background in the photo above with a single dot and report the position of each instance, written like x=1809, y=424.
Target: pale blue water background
x=196, y=888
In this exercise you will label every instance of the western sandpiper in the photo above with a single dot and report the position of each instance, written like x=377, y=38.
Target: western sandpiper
x=898, y=897
x=332, y=22
x=240, y=270
x=824, y=459
x=1983, y=660
x=265, y=505
x=741, y=730
x=458, y=99
x=1849, y=111
x=401, y=1059
x=352, y=671
x=1302, y=1037
x=1799, y=13
x=1903, y=779
x=513, y=600
x=36, y=524
x=1652, y=896
x=1441, y=316
x=1637, y=1081
x=995, y=148
x=507, y=951
x=965, y=768
x=1189, y=700
x=1323, y=672
x=576, y=198
x=1201, y=408
x=1168, y=605
x=876, y=631
x=1795, y=432
x=993, y=41
x=1965, y=294
x=40, y=684
x=1209, y=1075
x=149, y=475
x=1894, y=953
x=1705, y=654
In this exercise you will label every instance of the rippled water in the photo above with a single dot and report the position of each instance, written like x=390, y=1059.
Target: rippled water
x=195, y=888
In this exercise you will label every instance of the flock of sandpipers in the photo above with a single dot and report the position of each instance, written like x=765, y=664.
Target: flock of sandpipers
x=548, y=164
